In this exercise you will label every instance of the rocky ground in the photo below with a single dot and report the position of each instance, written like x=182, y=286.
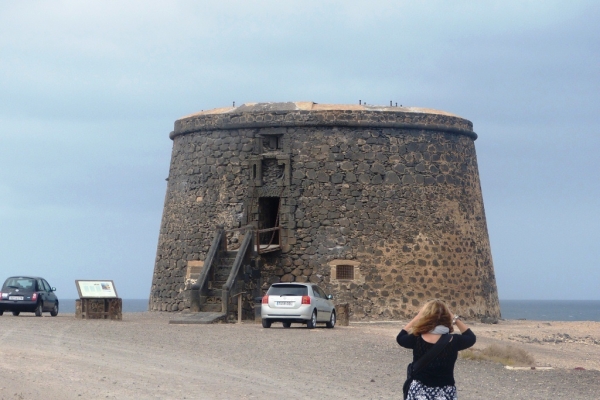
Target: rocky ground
x=144, y=357
x=565, y=345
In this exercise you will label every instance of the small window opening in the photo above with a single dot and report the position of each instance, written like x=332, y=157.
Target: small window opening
x=254, y=171
x=344, y=272
x=271, y=143
x=193, y=270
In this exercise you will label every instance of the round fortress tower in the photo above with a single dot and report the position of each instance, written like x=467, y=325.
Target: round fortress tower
x=380, y=206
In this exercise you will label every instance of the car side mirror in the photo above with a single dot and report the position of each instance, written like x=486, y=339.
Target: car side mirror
x=329, y=297
x=53, y=289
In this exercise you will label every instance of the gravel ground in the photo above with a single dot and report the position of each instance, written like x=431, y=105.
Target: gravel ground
x=143, y=357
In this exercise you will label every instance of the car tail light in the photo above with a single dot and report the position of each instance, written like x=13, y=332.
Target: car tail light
x=305, y=299
x=34, y=297
x=265, y=299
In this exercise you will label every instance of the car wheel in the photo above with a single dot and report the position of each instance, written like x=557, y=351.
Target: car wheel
x=1, y=312
x=38, y=310
x=16, y=313
x=331, y=322
x=287, y=324
x=266, y=323
x=312, y=322
x=54, y=311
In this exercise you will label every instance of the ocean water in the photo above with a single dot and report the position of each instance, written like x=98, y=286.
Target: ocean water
x=537, y=310
x=551, y=310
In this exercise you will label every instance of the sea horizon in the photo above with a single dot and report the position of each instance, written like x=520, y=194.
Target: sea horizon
x=535, y=310
x=551, y=310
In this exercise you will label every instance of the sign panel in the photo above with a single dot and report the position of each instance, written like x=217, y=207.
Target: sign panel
x=96, y=289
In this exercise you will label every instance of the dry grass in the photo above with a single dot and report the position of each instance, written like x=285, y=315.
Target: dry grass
x=507, y=355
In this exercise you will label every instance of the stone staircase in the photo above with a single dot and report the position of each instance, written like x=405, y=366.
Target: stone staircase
x=213, y=301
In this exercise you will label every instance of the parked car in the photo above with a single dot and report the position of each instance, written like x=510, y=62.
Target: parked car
x=28, y=294
x=302, y=303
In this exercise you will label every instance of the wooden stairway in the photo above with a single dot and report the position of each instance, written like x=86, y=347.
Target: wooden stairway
x=218, y=278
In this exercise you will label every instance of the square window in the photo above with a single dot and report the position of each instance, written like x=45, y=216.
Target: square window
x=344, y=272
x=271, y=143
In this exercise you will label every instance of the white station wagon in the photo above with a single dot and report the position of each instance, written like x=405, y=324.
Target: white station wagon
x=302, y=303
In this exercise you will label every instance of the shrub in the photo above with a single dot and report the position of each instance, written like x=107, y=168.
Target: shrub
x=507, y=355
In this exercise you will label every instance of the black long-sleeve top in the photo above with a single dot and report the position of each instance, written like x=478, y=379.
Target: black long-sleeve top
x=440, y=371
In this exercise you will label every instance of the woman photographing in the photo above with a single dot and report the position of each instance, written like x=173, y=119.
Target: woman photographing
x=433, y=377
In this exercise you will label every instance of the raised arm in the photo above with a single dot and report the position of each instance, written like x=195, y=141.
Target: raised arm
x=412, y=321
x=467, y=337
x=404, y=339
x=462, y=327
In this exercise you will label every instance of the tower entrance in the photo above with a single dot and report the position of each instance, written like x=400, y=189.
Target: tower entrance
x=268, y=217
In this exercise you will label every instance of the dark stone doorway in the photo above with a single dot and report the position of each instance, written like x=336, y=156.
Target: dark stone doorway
x=268, y=217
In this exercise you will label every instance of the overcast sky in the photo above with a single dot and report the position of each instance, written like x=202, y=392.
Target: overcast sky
x=89, y=91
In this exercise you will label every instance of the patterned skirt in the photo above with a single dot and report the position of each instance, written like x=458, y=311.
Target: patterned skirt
x=418, y=391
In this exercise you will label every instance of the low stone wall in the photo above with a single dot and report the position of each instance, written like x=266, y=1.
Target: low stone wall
x=343, y=314
x=99, y=309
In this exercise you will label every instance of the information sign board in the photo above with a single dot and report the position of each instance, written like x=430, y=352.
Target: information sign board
x=89, y=289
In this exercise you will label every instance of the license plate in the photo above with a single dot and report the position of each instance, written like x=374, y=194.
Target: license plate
x=285, y=303
x=15, y=297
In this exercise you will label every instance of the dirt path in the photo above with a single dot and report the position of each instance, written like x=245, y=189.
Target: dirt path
x=143, y=357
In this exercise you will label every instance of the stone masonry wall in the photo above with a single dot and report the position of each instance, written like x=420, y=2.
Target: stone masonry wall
x=402, y=204
x=407, y=206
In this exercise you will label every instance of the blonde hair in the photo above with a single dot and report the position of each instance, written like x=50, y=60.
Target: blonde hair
x=434, y=313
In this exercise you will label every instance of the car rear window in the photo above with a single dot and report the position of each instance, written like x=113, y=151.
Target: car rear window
x=288, y=290
x=19, y=283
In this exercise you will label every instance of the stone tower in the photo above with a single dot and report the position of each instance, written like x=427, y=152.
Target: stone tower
x=381, y=206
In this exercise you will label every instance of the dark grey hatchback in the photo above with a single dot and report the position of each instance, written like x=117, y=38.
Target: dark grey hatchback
x=28, y=294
